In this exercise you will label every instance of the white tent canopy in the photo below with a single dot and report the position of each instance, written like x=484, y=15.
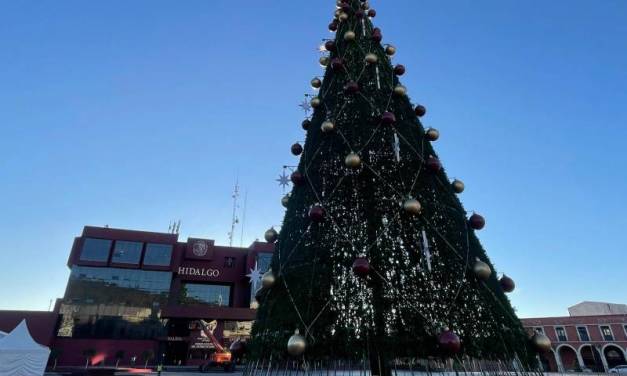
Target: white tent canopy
x=21, y=355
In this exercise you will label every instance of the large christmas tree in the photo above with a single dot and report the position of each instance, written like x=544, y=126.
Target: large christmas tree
x=377, y=260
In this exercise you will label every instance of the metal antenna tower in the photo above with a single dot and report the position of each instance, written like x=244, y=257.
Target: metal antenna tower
x=234, y=220
x=241, y=237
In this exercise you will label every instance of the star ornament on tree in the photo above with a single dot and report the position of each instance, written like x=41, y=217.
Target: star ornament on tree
x=255, y=277
x=305, y=106
x=283, y=180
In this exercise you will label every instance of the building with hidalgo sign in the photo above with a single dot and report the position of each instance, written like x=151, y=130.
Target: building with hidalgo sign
x=132, y=293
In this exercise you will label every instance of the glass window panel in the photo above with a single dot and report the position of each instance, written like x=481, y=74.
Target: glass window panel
x=127, y=252
x=114, y=303
x=158, y=254
x=561, y=334
x=583, y=333
x=214, y=295
x=607, y=333
x=95, y=250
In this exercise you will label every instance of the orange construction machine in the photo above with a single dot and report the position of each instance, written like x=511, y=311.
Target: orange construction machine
x=221, y=357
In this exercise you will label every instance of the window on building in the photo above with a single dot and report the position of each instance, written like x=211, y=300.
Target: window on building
x=606, y=332
x=625, y=329
x=229, y=262
x=539, y=329
x=95, y=250
x=158, y=254
x=582, y=331
x=112, y=303
x=560, y=332
x=205, y=294
x=127, y=252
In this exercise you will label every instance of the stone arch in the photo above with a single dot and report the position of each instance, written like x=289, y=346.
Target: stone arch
x=591, y=358
x=614, y=355
x=548, y=361
x=568, y=357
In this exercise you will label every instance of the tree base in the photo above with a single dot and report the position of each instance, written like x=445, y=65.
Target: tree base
x=397, y=367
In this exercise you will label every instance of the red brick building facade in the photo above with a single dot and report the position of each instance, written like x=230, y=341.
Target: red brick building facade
x=592, y=342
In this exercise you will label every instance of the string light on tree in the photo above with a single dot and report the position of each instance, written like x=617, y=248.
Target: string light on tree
x=375, y=240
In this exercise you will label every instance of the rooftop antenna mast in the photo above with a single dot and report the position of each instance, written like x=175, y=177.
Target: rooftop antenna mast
x=234, y=220
x=241, y=237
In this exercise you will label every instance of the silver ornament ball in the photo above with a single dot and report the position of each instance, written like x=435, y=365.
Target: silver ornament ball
x=458, y=186
x=432, y=134
x=267, y=281
x=349, y=36
x=482, y=270
x=412, y=206
x=271, y=235
x=371, y=58
x=316, y=83
x=400, y=90
x=297, y=344
x=316, y=102
x=541, y=342
x=352, y=161
x=285, y=200
x=327, y=126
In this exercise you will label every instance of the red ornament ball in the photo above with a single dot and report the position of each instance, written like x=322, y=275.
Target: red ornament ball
x=507, y=284
x=449, y=342
x=297, y=149
x=351, y=87
x=238, y=348
x=333, y=26
x=360, y=14
x=399, y=70
x=316, y=213
x=376, y=35
x=388, y=118
x=337, y=64
x=297, y=178
x=420, y=110
x=306, y=123
x=372, y=13
x=476, y=221
x=433, y=164
x=330, y=45
x=361, y=267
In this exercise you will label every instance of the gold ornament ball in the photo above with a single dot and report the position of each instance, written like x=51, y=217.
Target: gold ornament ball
x=371, y=58
x=349, y=36
x=297, y=344
x=316, y=83
x=458, y=186
x=390, y=50
x=365, y=5
x=285, y=200
x=343, y=16
x=324, y=61
x=482, y=270
x=412, y=206
x=327, y=126
x=400, y=90
x=271, y=235
x=432, y=134
x=541, y=342
x=352, y=161
x=316, y=102
x=337, y=13
x=339, y=3
x=268, y=279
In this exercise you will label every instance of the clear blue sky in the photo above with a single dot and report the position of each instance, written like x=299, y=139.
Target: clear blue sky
x=133, y=114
